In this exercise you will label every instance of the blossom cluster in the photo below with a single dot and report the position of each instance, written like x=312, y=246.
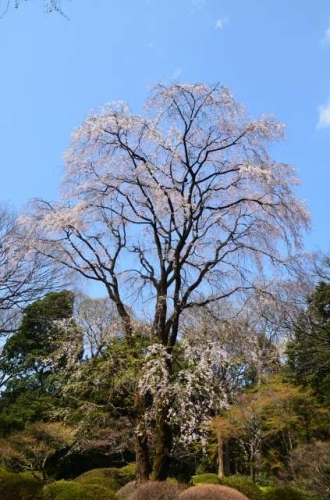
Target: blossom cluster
x=192, y=394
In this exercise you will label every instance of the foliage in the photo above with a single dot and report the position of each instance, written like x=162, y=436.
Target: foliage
x=99, y=397
x=268, y=420
x=284, y=493
x=33, y=358
x=46, y=340
x=24, y=403
x=211, y=492
x=309, y=352
x=69, y=490
x=244, y=485
x=31, y=449
x=112, y=478
x=311, y=466
x=156, y=490
x=127, y=473
x=19, y=486
x=97, y=477
x=205, y=479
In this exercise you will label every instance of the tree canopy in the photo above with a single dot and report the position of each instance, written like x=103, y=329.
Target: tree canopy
x=172, y=210
x=49, y=5
x=309, y=351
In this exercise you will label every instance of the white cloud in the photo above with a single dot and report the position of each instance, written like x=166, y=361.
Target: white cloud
x=326, y=38
x=324, y=115
x=220, y=22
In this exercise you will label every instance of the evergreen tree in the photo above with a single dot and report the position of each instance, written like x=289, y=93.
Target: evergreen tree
x=33, y=360
x=309, y=352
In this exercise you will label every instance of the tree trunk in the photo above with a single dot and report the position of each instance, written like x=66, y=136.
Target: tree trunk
x=163, y=445
x=141, y=441
x=221, y=468
x=227, y=458
x=142, y=458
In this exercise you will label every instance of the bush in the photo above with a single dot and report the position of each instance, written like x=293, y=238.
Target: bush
x=125, y=492
x=211, y=492
x=21, y=486
x=205, y=479
x=126, y=473
x=283, y=493
x=156, y=490
x=102, y=477
x=70, y=490
x=244, y=485
x=110, y=477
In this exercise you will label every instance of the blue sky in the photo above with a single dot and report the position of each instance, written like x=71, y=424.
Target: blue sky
x=274, y=55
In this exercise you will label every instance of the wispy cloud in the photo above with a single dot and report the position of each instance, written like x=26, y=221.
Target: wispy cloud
x=326, y=38
x=196, y=6
x=220, y=22
x=324, y=115
x=175, y=75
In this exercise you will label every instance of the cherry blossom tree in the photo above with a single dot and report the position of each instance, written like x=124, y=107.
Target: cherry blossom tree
x=98, y=319
x=25, y=275
x=174, y=209
x=49, y=6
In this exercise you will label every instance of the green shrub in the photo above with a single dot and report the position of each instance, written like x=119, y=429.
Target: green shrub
x=283, y=493
x=122, y=475
x=21, y=486
x=126, y=474
x=244, y=485
x=103, y=477
x=173, y=480
x=70, y=490
x=205, y=479
x=111, y=477
x=156, y=490
x=211, y=492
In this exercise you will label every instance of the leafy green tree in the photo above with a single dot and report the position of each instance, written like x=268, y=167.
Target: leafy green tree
x=34, y=358
x=309, y=352
x=268, y=421
x=257, y=414
x=98, y=397
x=46, y=325
x=24, y=402
x=32, y=448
